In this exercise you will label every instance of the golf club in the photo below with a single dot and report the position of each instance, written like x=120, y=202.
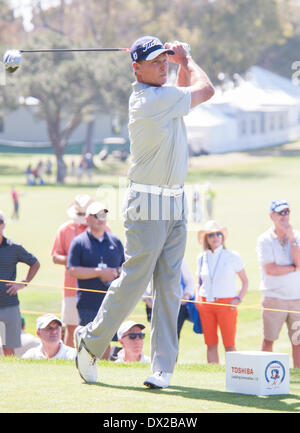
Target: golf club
x=12, y=58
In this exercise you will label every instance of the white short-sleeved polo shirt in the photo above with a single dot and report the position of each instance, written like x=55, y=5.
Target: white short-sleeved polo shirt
x=270, y=250
x=158, y=142
x=65, y=352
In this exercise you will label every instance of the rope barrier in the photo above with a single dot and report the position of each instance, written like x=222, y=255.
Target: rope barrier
x=255, y=307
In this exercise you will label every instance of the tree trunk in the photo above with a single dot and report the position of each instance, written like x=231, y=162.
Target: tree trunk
x=61, y=167
x=88, y=145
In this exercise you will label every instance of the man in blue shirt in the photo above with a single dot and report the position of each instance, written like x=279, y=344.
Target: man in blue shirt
x=94, y=259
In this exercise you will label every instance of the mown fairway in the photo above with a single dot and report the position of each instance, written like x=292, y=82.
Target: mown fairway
x=245, y=184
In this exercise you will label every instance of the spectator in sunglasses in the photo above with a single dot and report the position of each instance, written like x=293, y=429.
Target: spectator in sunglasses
x=217, y=269
x=131, y=337
x=278, y=251
x=76, y=225
x=94, y=259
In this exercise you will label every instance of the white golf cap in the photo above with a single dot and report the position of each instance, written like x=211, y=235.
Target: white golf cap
x=43, y=321
x=96, y=207
x=279, y=205
x=128, y=325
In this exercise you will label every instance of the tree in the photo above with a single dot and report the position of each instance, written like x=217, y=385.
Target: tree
x=225, y=35
x=280, y=56
x=69, y=89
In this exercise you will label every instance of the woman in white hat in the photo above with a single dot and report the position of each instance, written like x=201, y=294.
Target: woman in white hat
x=217, y=268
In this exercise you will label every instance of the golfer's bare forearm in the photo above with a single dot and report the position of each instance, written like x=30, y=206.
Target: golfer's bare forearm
x=191, y=75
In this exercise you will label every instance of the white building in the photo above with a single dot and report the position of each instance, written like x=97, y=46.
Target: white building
x=22, y=128
x=261, y=110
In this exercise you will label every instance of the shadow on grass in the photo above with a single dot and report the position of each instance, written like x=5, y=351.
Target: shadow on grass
x=276, y=403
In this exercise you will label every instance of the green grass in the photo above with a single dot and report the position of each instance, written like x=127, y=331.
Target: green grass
x=245, y=183
x=195, y=389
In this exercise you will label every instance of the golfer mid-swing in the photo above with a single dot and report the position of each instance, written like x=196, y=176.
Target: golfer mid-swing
x=154, y=211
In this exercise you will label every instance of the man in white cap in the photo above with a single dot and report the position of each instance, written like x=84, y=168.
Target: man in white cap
x=48, y=328
x=64, y=236
x=278, y=251
x=12, y=253
x=95, y=258
x=155, y=209
x=132, y=342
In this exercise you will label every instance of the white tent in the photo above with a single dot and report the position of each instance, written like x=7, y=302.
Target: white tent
x=207, y=127
x=262, y=109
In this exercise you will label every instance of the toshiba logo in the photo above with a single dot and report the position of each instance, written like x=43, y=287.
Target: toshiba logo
x=242, y=370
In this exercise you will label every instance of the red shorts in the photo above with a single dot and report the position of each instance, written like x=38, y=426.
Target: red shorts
x=214, y=316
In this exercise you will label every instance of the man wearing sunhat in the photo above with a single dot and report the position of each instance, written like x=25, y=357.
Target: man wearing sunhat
x=48, y=328
x=131, y=337
x=95, y=258
x=154, y=209
x=278, y=251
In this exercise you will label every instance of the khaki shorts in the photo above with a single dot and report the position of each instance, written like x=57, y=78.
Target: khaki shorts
x=69, y=313
x=10, y=327
x=274, y=320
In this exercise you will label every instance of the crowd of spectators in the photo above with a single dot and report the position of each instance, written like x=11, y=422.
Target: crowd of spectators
x=92, y=256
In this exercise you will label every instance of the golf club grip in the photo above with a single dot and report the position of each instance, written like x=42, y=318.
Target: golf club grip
x=54, y=50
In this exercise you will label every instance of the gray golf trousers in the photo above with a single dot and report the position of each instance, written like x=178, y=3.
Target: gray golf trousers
x=155, y=228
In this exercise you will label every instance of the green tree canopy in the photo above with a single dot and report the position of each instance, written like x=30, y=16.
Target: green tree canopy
x=70, y=87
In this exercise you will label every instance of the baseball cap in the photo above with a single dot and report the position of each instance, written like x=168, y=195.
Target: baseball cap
x=279, y=205
x=43, y=321
x=126, y=326
x=95, y=207
x=148, y=48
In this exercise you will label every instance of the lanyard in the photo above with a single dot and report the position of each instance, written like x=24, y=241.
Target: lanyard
x=212, y=275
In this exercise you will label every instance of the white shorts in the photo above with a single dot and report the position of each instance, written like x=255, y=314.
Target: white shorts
x=69, y=313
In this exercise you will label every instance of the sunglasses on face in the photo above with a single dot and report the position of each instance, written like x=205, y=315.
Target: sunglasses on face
x=211, y=235
x=284, y=212
x=100, y=215
x=134, y=335
x=51, y=328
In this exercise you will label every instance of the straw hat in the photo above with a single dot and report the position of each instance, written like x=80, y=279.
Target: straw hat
x=77, y=209
x=211, y=226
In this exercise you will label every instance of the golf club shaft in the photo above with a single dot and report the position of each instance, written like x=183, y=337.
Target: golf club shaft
x=64, y=50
